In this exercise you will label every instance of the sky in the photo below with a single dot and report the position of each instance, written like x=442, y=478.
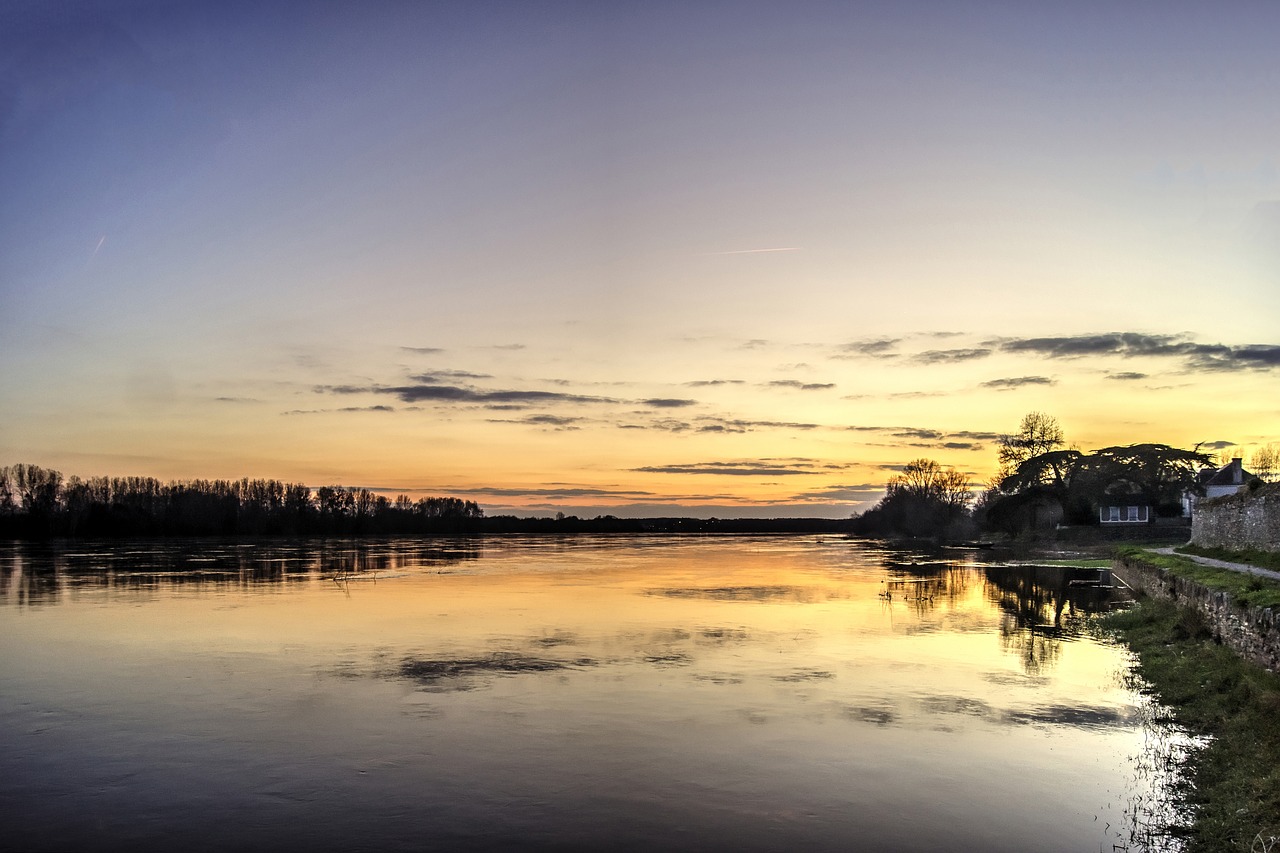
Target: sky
x=695, y=258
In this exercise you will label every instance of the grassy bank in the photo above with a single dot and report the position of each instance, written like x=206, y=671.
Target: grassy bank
x=1261, y=559
x=1234, y=786
x=1244, y=588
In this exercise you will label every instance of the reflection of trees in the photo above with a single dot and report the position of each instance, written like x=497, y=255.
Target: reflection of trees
x=37, y=573
x=926, y=582
x=1040, y=608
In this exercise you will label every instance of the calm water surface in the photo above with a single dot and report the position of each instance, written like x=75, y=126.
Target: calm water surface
x=752, y=693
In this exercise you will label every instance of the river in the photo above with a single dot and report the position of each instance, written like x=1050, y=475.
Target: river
x=636, y=693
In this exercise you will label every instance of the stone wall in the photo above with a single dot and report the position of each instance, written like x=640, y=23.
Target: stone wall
x=1247, y=519
x=1253, y=632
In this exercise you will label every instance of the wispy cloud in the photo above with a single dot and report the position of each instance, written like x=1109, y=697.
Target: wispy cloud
x=873, y=348
x=555, y=422
x=749, y=468
x=1127, y=376
x=932, y=438
x=708, y=383
x=950, y=356
x=423, y=350
x=460, y=394
x=1196, y=357
x=711, y=424
x=566, y=491
x=756, y=251
x=668, y=403
x=799, y=386
x=1012, y=382
x=851, y=493
x=440, y=376
x=342, y=409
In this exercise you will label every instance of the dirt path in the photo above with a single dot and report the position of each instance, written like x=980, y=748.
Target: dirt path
x=1222, y=564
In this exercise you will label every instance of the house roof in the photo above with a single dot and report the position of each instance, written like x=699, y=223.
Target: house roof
x=1231, y=474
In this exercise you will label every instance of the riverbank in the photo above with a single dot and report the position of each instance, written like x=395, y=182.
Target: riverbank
x=1176, y=631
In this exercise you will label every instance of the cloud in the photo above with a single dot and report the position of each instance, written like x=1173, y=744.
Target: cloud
x=1216, y=445
x=757, y=468
x=716, y=425
x=1017, y=382
x=343, y=409
x=668, y=403
x=856, y=493
x=800, y=386
x=977, y=436
x=756, y=251
x=875, y=348
x=1128, y=376
x=565, y=491
x=461, y=394
x=950, y=356
x=438, y=376
x=1194, y=356
x=508, y=346
x=969, y=439
x=423, y=350
x=915, y=432
x=237, y=400
x=553, y=421
x=706, y=383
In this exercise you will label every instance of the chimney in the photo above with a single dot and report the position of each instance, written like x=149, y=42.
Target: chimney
x=1237, y=470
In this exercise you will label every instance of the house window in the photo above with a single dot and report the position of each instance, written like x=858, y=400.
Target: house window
x=1113, y=513
x=1133, y=513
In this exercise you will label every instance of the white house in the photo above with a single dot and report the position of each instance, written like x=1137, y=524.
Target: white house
x=1227, y=480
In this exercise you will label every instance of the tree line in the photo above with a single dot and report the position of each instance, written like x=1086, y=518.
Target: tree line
x=1040, y=483
x=36, y=501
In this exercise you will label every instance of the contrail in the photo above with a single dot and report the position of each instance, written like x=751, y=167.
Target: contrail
x=757, y=251
x=97, y=247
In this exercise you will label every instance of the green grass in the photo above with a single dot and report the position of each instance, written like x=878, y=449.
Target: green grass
x=1244, y=588
x=1077, y=564
x=1234, y=786
x=1249, y=556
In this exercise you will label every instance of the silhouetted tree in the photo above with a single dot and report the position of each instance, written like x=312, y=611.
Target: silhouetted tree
x=1037, y=434
x=924, y=499
x=1265, y=462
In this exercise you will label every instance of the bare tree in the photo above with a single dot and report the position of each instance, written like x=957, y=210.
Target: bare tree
x=1265, y=462
x=1038, y=433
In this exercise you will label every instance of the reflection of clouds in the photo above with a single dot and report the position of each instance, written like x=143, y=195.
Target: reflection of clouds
x=718, y=678
x=1075, y=716
x=669, y=659
x=559, y=638
x=956, y=705
x=1089, y=717
x=1014, y=679
x=722, y=636
x=465, y=673
x=865, y=714
x=739, y=593
x=802, y=675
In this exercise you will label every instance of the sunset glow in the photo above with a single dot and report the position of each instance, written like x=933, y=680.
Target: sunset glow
x=631, y=259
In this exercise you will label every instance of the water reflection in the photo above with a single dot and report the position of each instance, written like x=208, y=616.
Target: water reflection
x=761, y=693
x=41, y=573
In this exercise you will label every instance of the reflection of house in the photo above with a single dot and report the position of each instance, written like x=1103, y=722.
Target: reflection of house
x=1125, y=514
x=1227, y=480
